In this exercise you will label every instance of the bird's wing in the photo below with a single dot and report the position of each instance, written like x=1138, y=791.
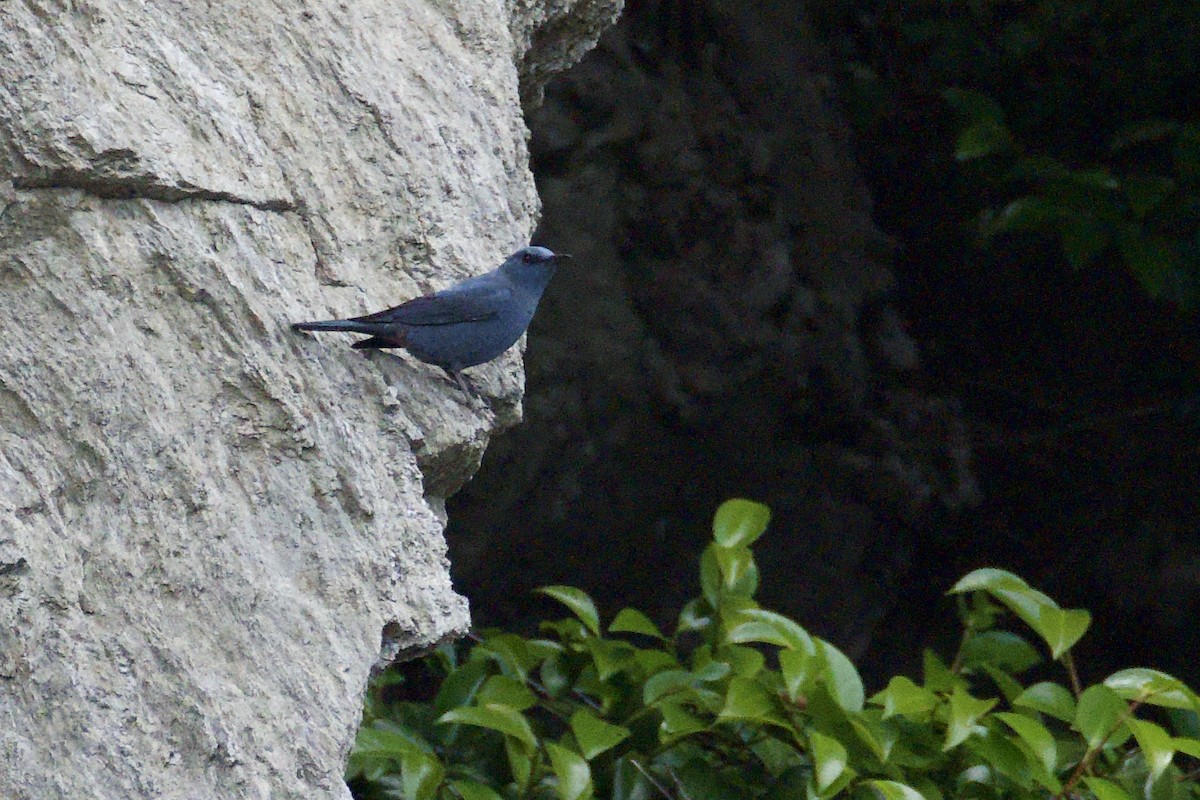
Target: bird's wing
x=467, y=302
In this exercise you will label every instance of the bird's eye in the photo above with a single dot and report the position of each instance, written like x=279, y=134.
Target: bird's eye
x=527, y=258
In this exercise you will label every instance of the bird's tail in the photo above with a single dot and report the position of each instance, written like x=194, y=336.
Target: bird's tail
x=337, y=325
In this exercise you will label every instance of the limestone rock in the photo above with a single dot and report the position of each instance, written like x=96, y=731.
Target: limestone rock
x=211, y=529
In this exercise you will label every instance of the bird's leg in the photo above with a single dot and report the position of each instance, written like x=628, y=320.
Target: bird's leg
x=462, y=382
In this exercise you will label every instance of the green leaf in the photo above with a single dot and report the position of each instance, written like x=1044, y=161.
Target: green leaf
x=1062, y=628
x=677, y=721
x=738, y=523
x=609, y=656
x=768, y=627
x=520, y=760
x=845, y=684
x=470, y=790
x=744, y=661
x=459, y=687
x=891, y=790
x=594, y=735
x=506, y=691
x=696, y=779
x=1098, y=712
x=573, y=773
x=739, y=573
x=798, y=669
x=1187, y=746
x=981, y=139
x=1007, y=684
x=905, y=698
x=580, y=604
x=1034, y=734
x=421, y=775
x=1153, y=687
x=391, y=741
x=1028, y=213
x=939, y=677
x=1156, y=744
x=987, y=579
x=1001, y=649
x=630, y=620
x=693, y=617
x=554, y=677
x=1106, y=790
x=505, y=719
x=1001, y=755
x=829, y=759
x=965, y=712
x=1049, y=698
x=746, y=699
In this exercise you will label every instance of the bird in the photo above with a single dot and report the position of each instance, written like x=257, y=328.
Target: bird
x=469, y=323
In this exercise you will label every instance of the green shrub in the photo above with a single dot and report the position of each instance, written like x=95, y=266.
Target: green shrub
x=742, y=702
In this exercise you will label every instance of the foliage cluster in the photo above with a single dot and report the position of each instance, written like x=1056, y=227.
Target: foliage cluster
x=741, y=702
x=1076, y=119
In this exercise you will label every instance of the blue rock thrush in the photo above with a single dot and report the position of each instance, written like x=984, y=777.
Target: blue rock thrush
x=466, y=324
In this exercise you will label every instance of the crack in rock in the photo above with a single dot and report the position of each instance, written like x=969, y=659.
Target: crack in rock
x=132, y=187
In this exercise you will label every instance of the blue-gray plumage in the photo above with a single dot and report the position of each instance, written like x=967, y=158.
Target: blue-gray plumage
x=466, y=324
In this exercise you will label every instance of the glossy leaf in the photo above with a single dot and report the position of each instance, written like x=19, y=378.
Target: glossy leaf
x=1034, y=734
x=739, y=573
x=747, y=700
x=421, y=774
x=893, y=790
x=630, y=620
x=1099, y=711
x=579, y=602
x=1049, y=698
x=905, y=698
x=1000, y=649
x=506, y=691
x=768, y=627
x=829, y=759
x=845, y=684
x=471, y=790
x=987, y=579
x=965, y=712
x=459, y=687
x=999, y=753
x=738, y=523
x=505, y=719
x=798, y=669
x=594, y=735
x=573, y=773
x=1062, y=628
x=678, y=721
x=1157, y=745
x=1153, y=687
x=388, y=741
x=1106, y=790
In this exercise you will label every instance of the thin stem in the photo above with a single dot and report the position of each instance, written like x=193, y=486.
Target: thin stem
x=1085, y=763
x=662, y=790
x=1072, y=674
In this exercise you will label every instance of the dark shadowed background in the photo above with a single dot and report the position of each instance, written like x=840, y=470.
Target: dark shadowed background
x=780, y=292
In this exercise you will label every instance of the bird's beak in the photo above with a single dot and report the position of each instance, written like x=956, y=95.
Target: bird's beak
x=560, y=256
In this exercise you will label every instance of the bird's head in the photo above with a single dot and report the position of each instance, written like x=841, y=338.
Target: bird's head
x=532, y=263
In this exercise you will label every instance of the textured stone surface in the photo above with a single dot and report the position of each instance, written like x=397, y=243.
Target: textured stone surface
x=211, y=529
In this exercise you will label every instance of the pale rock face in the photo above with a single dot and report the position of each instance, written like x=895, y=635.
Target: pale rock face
x=211, y=529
